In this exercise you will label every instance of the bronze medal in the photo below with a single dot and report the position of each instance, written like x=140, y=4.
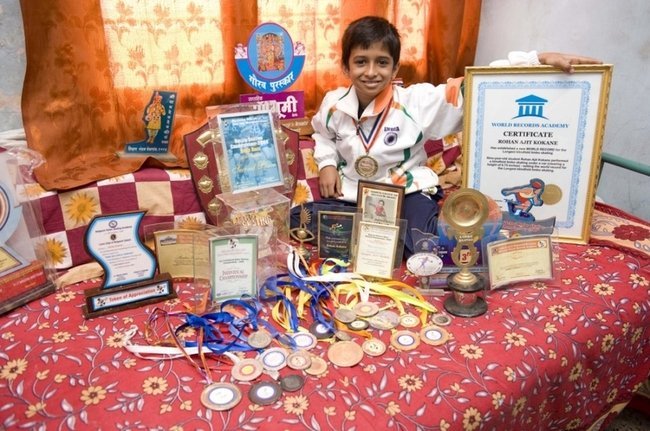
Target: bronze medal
x=292, y=382
x=320, y=331
x=299, y=360
x=366, y=166
x=265, y=393
x=358, y=325
x=318, y=366
x=247, y=369
x=345, y=353
x=366, y=309
x=441, y=319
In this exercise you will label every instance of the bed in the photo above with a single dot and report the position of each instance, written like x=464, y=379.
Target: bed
x=568, y=354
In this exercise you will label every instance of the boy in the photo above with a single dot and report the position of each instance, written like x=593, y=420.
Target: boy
x=376, y=131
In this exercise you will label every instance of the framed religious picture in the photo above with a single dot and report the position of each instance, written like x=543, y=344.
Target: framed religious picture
x=532, y=141
x=380, y=202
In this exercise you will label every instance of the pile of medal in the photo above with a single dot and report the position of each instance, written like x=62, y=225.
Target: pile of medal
x=239, y=326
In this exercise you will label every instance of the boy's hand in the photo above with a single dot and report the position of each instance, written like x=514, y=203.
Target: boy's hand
x=565, y=61
x=329, y=182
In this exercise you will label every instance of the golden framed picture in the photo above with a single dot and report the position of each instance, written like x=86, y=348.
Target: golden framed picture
x=380, y=202
x=532, y=141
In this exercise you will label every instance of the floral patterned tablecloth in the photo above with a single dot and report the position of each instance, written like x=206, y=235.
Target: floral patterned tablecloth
x=566, y=354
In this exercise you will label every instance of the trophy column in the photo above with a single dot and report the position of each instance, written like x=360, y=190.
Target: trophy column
x=465, y=211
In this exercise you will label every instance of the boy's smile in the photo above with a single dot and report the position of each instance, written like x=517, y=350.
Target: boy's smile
x=370, y=71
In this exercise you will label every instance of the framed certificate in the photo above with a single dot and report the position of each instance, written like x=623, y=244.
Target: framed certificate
x=251, y=156
x=532, y=141
x=525, y=258
x=376, y=248
x=380, y=202
x=234, y=266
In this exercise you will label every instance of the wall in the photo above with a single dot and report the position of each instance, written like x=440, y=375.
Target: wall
x=12, y=64
x=614, y=32
x=598, y=28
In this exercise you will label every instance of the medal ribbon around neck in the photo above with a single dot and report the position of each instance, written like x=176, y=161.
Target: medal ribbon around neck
x=369, y=141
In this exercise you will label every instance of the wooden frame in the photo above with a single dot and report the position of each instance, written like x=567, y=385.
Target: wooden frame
x=532, y=141
x=380, y=202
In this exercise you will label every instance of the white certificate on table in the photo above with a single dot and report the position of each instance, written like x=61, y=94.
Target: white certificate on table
x=376, y=245
x=532, y=141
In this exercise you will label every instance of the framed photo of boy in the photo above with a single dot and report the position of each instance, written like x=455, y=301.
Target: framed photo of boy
x=380, y=202
x=532, y=142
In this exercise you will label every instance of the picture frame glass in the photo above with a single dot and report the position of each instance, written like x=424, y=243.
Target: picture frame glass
x=532, y=141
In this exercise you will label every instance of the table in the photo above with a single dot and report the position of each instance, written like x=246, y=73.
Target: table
x=566, y=354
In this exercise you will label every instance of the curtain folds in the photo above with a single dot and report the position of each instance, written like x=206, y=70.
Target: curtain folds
x=90, y=73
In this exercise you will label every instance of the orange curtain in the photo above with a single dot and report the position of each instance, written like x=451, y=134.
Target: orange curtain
x=90, y=71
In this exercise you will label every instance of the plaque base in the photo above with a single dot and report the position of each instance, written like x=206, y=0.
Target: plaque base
x=23, y=286
x=101, y=301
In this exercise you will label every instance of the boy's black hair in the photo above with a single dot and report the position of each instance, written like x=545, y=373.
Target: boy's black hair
x=365, y=31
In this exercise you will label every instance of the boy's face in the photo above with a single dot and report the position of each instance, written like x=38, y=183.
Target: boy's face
x=370, y=71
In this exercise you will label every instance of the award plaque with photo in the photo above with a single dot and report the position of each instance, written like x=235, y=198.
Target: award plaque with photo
x=380, y=202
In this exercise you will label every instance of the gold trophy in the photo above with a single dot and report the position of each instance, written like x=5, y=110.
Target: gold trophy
x=465, y=211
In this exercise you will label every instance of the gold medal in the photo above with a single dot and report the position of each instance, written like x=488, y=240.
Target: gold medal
x=409, y=320
x=366, y=166
x=221, y=396
x=374, y=347
x=552, y=194
x=405, y=340
x=434, y=335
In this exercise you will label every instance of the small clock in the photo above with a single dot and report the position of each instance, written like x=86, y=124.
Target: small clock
x=424, y=264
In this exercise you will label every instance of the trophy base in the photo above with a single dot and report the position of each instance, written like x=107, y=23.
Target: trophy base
x=477, y=308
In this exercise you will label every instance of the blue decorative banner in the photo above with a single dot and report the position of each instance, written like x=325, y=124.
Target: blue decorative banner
x=270, y=62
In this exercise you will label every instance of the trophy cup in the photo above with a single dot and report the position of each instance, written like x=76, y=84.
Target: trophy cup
x=465, y=211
